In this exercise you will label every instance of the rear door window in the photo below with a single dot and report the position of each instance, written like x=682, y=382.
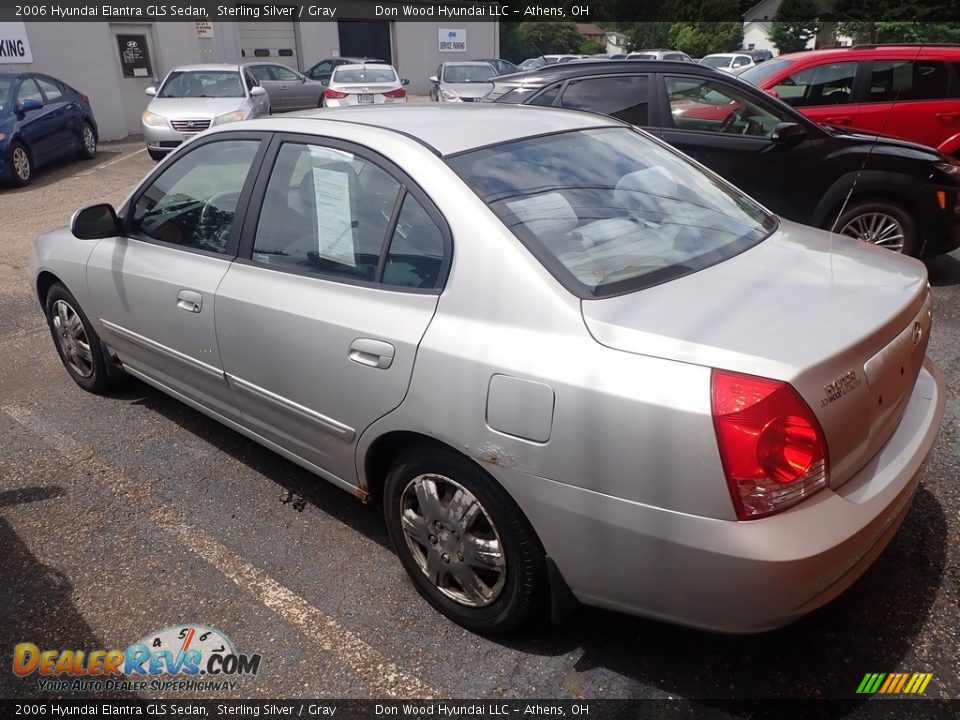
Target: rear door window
x=51, y=89
x=893, y=80
x=624, y=97
x=829, y=84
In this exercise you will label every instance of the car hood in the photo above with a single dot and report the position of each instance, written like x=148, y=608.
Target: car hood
x=805, y=307
x=174, y=108
x=881, y=140
x=471, y=89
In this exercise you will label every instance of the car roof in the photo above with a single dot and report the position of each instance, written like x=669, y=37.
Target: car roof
x=361, y=66
x=727, y=55
x=206, y=66
x=591, y=66
x=440, y=126
x=874, y=51
x=471, y=63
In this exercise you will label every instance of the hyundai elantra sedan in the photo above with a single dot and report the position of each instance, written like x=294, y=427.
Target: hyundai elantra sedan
x=565, y=360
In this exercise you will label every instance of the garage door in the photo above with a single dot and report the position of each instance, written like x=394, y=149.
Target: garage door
x=365, y=38
x=275, y=41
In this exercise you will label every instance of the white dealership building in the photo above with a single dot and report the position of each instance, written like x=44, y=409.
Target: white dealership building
x=114, y=62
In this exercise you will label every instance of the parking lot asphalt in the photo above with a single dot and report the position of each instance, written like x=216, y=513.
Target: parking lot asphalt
x=125, y=514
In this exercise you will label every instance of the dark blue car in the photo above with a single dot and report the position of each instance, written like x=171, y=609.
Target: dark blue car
x=41, y=119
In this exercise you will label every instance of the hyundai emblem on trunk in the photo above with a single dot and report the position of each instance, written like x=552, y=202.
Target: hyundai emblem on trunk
x=917, y=333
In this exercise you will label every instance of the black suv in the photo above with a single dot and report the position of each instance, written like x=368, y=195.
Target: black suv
x=896, y=194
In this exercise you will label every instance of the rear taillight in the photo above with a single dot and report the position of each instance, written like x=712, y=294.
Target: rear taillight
x=85, y=98
x=333, y=94
x=772, y=447
x=398, y=93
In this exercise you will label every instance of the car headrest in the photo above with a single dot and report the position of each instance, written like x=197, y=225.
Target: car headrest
x=547, y=214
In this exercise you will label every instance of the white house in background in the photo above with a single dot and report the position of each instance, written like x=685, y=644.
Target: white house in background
x=617, y=43
x=758, y=21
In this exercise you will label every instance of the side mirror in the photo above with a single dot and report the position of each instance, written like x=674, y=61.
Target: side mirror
x=30, y=104
x=95, y=222
x=404, y=81
x=257, y=91
x=151, y=91
x=787, y=133
x=433, y=79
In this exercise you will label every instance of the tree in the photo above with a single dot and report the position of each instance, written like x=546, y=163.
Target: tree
x=794, y=25
x=703, y=38
x=551, y=37
x=592, y=46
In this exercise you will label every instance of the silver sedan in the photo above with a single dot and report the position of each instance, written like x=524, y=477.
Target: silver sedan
x=364, y=84
x=193, y=98
x=566, y=361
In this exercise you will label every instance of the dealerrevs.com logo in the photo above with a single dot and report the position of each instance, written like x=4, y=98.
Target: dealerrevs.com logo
x=200, y=657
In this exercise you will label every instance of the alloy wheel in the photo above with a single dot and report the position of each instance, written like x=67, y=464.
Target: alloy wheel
x=453, y=540
x=72, y=337
x=89, y=141
x=878, y=228
x=21, y=163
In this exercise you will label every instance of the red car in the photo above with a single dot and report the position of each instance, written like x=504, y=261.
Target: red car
x=907, y=91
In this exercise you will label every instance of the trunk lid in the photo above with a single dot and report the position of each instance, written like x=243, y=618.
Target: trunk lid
x=845, y=323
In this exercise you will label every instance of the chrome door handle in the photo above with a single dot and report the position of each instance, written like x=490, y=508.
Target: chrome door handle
x=372, y=353
x=190, y=301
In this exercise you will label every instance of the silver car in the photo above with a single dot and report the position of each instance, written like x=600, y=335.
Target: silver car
x=462, y=81
x=365, y=84
x=567, y=361
x=193, y=98
x=288, y=89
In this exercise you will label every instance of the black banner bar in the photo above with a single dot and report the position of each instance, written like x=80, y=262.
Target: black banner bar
x=485, y=709
x=602, y=11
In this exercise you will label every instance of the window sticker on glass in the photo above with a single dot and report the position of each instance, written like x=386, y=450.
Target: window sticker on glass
x=334, y=219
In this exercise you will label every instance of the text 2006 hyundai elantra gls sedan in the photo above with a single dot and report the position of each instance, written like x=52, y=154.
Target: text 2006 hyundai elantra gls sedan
x=564, y=357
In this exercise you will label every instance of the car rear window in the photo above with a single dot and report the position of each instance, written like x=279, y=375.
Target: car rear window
x=201, y=84
x=892, y=80
x=610, y=210
x=364, y=75
x=758, y=73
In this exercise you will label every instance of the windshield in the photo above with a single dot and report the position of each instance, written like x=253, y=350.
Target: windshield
x=533, y=63
x=468, y=73
x=610, y=210
x=6, y=86
x=717, y=62
x=758, y=73
x=347, y=74
x=202, y=84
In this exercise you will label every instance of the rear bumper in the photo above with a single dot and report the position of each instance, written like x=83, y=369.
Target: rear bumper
x=727, y=576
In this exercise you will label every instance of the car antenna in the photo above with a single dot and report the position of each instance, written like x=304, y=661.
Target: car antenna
x=866, y=158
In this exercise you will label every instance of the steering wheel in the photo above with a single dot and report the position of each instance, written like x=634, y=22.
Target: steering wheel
x=729, y=120
x=215, y=233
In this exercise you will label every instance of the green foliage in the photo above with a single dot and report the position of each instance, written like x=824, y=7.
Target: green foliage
x=551, y=37
x=592, y=47
x=794, y=25
x=703, y=38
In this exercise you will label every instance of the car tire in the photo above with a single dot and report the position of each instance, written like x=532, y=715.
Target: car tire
x=88, y=142
x=20, y=164
x=881, y=222
x=488, y=567
x=71, y=331
x=156, y=155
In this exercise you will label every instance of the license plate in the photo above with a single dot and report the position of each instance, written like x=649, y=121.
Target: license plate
x=364, y=99
x=187, y=136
